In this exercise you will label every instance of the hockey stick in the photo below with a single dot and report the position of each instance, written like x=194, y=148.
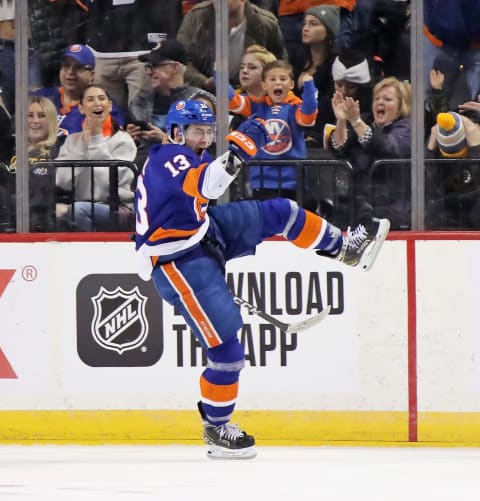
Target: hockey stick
x=284, y=327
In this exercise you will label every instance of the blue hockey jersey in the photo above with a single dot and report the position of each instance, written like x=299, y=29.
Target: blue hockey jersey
x=171, y=200
x=285, y=124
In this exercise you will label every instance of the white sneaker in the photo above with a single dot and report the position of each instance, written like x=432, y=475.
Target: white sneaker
x=361, y=247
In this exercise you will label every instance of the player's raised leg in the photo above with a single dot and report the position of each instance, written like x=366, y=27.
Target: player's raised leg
x=309, y=231
x=361, y=247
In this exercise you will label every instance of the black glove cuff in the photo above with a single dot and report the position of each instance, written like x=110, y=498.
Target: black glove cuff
x=234, y=163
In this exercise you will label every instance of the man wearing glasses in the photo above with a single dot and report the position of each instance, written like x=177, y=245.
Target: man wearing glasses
x=76, y=72
x=165, y=70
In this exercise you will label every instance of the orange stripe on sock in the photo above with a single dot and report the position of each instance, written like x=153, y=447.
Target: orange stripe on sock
x=310, y=231
x=217, y=392
x=193, y=307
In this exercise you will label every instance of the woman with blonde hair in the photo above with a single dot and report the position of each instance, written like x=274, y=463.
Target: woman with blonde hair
x=44, y=140
x=44, y=136
x=250, y=74
x=254, y=59
x=387, y=137
x=43, y=130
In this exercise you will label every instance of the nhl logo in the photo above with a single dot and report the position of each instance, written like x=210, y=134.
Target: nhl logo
x=119, y=322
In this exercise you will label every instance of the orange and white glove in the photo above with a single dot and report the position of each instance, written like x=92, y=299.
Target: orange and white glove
x=248, y=138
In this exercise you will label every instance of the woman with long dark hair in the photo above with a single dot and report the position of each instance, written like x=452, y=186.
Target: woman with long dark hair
x=320, y=28
x=100, y=139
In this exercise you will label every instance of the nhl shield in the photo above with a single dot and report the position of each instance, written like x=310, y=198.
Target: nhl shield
x=119, y=321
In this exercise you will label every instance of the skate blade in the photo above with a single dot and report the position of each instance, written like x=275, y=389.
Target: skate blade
x=216, y=452
x=370, y=255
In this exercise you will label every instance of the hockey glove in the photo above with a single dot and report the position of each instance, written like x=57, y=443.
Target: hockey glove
x=249, y=136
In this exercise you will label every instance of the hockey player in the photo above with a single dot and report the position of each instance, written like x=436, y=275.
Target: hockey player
x=183, y=244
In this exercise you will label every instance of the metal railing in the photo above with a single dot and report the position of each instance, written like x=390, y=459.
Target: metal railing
x=452, y=193
x=45, y=197
x=389, y=183
x=322, y=185
x=7, y=210
x=331, y=188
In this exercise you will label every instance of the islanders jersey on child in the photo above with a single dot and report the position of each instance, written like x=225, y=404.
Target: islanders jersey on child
x=284, y=123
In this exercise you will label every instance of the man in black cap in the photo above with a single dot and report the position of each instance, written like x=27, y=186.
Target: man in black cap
x=165, y=68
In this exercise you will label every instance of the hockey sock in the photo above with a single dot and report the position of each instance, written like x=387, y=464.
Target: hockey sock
x=219, y=381
x=301, y=227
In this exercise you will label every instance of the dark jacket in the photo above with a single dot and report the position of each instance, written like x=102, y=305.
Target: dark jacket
x=197, y=33
x=42, y=190
x=391, y=141
x=452, y=191
x=454, y=23
x=126, y=28
x=7, y=139
x=384, y=192
x=324, y=83
x=55, y=25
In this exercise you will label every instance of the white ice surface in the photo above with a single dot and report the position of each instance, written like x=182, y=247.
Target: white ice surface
x=171, y=473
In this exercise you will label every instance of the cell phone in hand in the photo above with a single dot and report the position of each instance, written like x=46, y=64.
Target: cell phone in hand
x=142, y=124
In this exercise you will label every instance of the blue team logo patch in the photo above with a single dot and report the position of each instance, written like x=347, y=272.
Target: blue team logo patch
x=280, y=137
x=119, y=322
x=75, y=48
x=180, y=105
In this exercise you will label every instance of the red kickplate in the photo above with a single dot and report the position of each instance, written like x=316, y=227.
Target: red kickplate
x=6, y=370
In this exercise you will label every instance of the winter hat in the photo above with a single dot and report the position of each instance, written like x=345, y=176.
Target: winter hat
x=329, y=15
x=451, y=135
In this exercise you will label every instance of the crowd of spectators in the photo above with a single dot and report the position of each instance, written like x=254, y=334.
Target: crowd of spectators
x=330, y=78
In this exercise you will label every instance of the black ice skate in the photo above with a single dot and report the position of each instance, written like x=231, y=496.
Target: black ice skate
x=361, y=247
x=227, y=441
